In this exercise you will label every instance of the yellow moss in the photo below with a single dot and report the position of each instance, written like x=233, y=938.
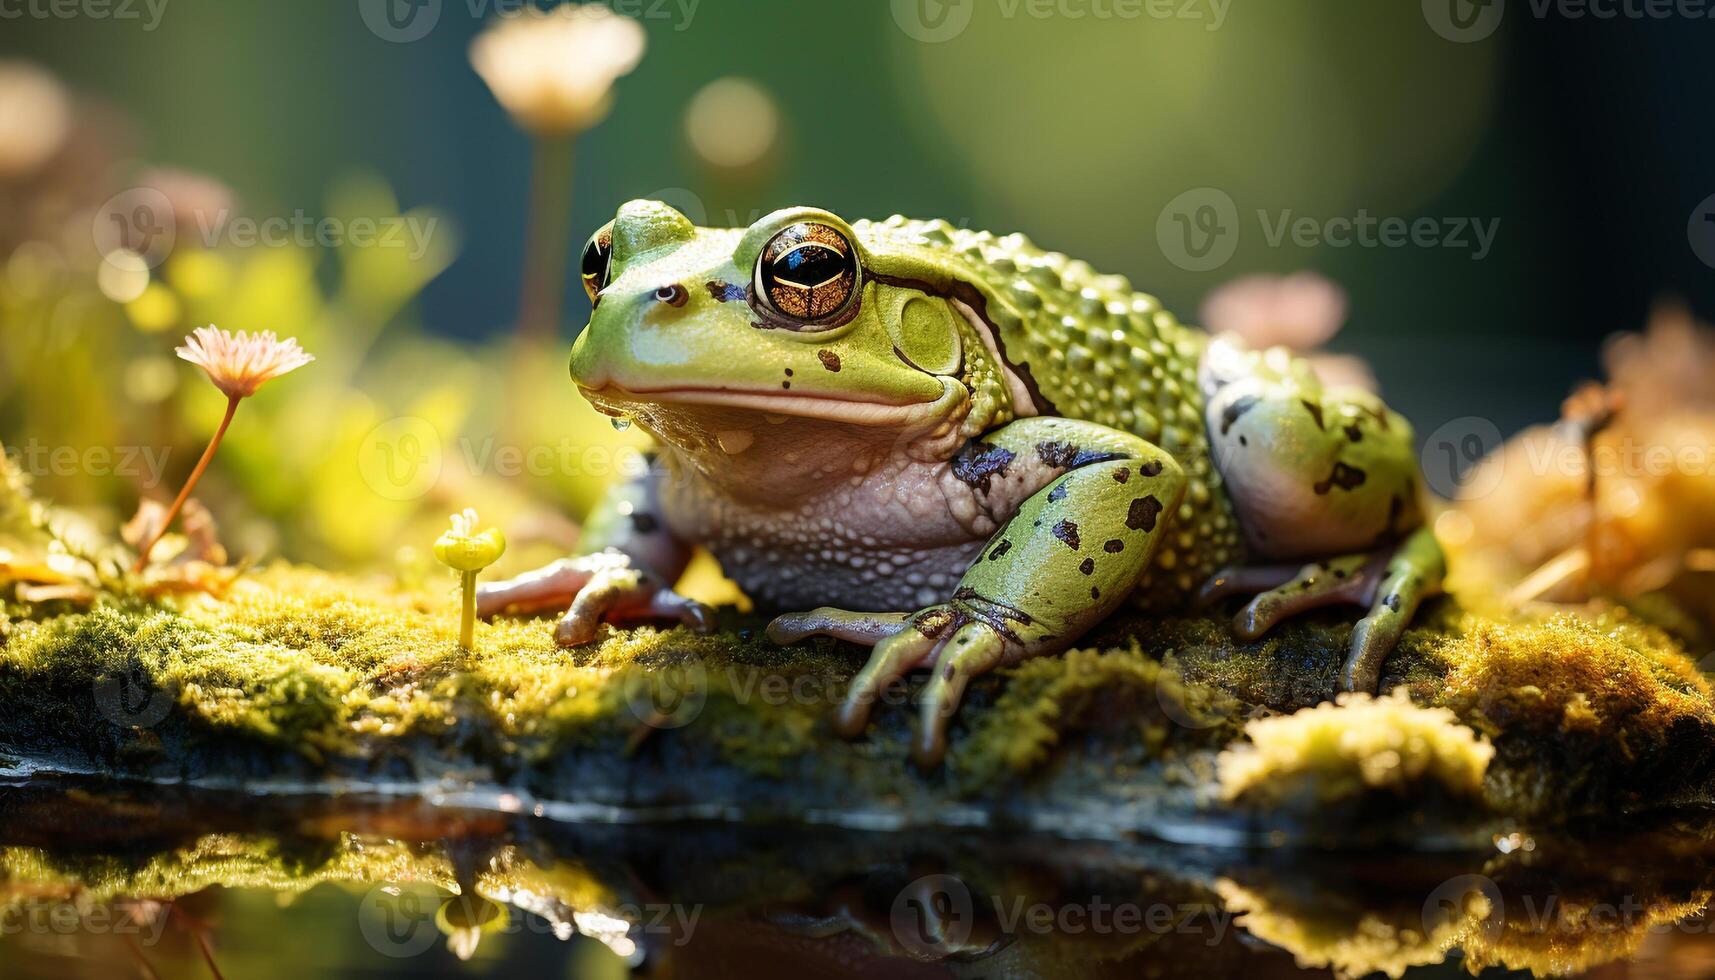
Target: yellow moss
x=1351, y=943
x=1046, y=697
x=1588, y=712
x=1571, y=934
x=1606, y=675
x=1358, y=744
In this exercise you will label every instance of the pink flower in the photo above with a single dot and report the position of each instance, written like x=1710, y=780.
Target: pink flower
x=1301, y=311
x=240, y=365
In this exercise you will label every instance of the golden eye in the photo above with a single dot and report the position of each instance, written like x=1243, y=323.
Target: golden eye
x=808, y=273
x=598, y=254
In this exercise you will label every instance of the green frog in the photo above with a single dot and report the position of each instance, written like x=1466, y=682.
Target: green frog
x=962, y=451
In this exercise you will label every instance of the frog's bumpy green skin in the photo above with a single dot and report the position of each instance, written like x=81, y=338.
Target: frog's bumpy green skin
x=964, y=449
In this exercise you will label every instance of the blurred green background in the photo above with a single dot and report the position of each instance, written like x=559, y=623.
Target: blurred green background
x=1587, y=138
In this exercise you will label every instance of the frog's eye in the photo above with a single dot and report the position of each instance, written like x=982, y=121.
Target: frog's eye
x=807, y=273
x=598, y=254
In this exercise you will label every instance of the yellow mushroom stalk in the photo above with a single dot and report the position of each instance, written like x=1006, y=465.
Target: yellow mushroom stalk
x=468, y=551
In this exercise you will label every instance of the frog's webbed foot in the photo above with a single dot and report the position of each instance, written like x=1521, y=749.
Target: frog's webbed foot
x=598, y=588
x=853, y=627
x=950, y=638
x=1391, y=583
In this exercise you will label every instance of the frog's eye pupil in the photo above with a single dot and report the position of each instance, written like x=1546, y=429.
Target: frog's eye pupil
x=598, y=255
x=808, y=273
x=808, y=266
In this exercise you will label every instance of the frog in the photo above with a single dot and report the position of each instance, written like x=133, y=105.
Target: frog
x=961, y=451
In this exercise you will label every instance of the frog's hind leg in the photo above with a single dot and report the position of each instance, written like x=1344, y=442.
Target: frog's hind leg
x=1392, y=584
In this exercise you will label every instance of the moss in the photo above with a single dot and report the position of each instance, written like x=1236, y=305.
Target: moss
x=1048, y=699
x=300, y=675
x=1587, y=715
x=1353, y=746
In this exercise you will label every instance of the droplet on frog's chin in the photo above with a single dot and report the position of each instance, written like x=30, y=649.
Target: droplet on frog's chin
x=734, y=441
x=620, y=423
x=772, y=419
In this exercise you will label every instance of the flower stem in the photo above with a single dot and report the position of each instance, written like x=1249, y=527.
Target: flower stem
x=467, y=627
x=190, y=484
x=548, y=243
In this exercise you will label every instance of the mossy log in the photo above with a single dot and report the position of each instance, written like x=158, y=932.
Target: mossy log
x=305, y=682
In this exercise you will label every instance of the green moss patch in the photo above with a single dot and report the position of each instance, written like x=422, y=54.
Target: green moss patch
x=303, y=677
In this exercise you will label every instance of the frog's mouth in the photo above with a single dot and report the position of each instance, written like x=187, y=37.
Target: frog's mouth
x=613, y=400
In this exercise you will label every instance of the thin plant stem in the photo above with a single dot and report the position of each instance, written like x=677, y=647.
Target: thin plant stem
x=547, y=245
x=207, y=953
x=467, y=626
x=190, y=484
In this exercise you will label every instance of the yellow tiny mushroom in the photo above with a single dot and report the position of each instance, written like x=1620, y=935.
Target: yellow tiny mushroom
x=468, y=551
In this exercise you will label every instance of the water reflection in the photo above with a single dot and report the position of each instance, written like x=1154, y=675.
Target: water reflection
x=102, y=882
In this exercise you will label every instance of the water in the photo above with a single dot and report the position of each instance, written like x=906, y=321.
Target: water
x=105, y=881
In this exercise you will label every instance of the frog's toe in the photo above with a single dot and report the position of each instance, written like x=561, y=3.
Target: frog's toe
x=1350, y=580
x=893, y=658
x=618, y=592
x=867, y=629
x=1412, y=574
x=973, y=651
x=667, y=604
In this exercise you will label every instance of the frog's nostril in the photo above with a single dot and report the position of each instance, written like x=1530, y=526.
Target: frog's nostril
x=674, y=295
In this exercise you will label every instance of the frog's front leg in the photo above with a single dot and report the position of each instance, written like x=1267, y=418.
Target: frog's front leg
x=1391, y=582
x=1069, y=555
x=630, y=562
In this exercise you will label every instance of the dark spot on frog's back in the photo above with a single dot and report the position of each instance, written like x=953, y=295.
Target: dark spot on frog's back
x=976, y=463
x=1000, y=549
x=1065, y=456
x=830, y=360
x=1233, y=412
x=1088, y=567
x=1345, y=477
x=1315, y=411
x=1067, y=532
x=1143, y=513
x=1151, y=468
x=725, y=292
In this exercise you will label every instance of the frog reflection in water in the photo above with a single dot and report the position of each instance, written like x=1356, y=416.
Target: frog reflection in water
x=965, y=451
